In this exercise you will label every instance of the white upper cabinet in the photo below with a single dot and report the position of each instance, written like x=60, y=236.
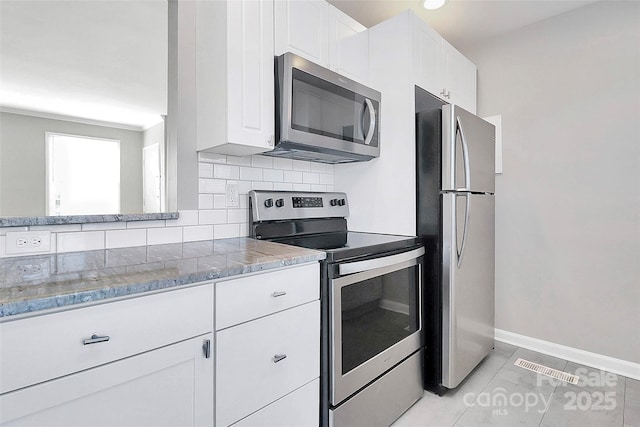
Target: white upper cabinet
x=437, y=67
x=348, y=46
x=235, y=76
x=301, y=28
x=459, y=78
x=323, y=34
x=427, y=57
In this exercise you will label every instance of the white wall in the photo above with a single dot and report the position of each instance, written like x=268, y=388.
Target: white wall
x=23, y=162
x=568, y=203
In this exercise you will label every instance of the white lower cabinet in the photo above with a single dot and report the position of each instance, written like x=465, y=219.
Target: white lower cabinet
x=268, y=357
x=296, y=409
x=144, y=361
x=170, y=386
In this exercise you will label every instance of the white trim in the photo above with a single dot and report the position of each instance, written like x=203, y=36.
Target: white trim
x=587, y=358
x=54, y=116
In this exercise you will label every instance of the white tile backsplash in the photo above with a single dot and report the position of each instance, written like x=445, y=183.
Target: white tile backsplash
x=104, y=226
x=250, y=174
x=80, y=241
x=282, y=164
x=126, y=238
x=310, y=178
x=206, y=201
x=162, y=236
x=146, y=224
x=212, y=220
x=205, y=170
x=301, y=165
x=293, y=176
x=214, y=216
x=221, y=171
x=226, y=231
x=211, y=186
x=197, y=232
x=274, y=175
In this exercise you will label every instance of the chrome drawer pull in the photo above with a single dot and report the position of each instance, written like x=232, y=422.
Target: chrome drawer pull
x=278, y=294
x=96, y=339
x=278, y=357
x=206, y=347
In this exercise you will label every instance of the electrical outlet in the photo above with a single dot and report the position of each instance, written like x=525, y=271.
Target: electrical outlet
x=27, y=242
x=37, y=269
x=233, y=198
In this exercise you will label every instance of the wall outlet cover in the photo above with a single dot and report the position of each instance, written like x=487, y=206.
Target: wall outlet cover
x=27, y=242
x=233, y=198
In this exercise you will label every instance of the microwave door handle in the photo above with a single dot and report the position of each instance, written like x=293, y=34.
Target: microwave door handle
x=372, y=121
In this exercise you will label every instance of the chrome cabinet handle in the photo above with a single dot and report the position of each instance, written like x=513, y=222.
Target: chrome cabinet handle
x=277, y=294
x=206, y=348
x=96, y=339
x=279, y=357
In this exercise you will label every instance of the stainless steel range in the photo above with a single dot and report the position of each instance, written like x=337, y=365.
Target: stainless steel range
x=371, y=288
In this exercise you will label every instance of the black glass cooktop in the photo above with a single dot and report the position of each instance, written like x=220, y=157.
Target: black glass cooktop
x=346, y=245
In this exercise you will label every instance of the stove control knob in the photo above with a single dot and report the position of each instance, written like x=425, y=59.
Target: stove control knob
x=268, y=203
x=279, y=203
x=333, y=202
x=341, y=202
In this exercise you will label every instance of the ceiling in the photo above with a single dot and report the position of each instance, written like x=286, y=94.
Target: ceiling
x=462, y=22
x=99, y=60
x=106, y=60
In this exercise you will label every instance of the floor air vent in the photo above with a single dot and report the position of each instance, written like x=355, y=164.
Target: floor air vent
x=545, y=370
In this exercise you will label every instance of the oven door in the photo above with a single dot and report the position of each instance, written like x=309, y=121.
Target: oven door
x=376, y=319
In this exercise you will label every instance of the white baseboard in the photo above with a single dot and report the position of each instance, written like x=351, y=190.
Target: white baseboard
x=587, y=358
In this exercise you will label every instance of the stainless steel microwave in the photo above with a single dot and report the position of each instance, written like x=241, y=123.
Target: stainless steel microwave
x=323, y=116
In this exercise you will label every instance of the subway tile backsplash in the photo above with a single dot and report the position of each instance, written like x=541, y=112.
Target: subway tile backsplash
x=212, y=220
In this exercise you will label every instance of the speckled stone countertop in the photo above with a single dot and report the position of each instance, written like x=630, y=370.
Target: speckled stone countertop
x=34, y=283
x=19, y=221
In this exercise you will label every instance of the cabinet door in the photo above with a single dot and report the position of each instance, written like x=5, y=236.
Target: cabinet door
x=427, y=56
x=260, y=361
x=301, y=28
x=348, y=46
x=234, y=76
x=170, y=386
x=459, y=78
x=250, y=74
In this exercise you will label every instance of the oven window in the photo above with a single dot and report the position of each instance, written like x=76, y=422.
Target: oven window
x=376, y=314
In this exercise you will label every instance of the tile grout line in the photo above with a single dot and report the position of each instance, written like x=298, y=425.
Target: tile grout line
x=544, y=414
x=488, y=382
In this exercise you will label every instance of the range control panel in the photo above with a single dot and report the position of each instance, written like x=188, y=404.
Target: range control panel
x=283, y=205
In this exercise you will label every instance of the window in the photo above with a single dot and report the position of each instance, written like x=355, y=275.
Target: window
x=83, y=175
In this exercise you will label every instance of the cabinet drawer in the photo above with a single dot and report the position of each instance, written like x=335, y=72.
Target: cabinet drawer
x=248, y=377
x=168, y=386
x=240, y=300
x=41, y=348
x=297, y=409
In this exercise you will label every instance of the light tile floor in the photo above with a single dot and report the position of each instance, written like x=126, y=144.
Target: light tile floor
x=498, y=393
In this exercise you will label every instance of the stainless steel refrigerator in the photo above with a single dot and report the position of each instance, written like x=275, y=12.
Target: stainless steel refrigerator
x=455, y=165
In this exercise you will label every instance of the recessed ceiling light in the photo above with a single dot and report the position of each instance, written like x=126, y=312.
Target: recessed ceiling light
x=433, y=4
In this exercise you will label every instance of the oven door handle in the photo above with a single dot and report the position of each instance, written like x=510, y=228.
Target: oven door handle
x=371, y=264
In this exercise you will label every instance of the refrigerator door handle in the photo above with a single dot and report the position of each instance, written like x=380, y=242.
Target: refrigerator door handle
x=466, y=229
x=465, y=155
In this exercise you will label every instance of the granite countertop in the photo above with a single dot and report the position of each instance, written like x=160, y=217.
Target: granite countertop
x=33, y=283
